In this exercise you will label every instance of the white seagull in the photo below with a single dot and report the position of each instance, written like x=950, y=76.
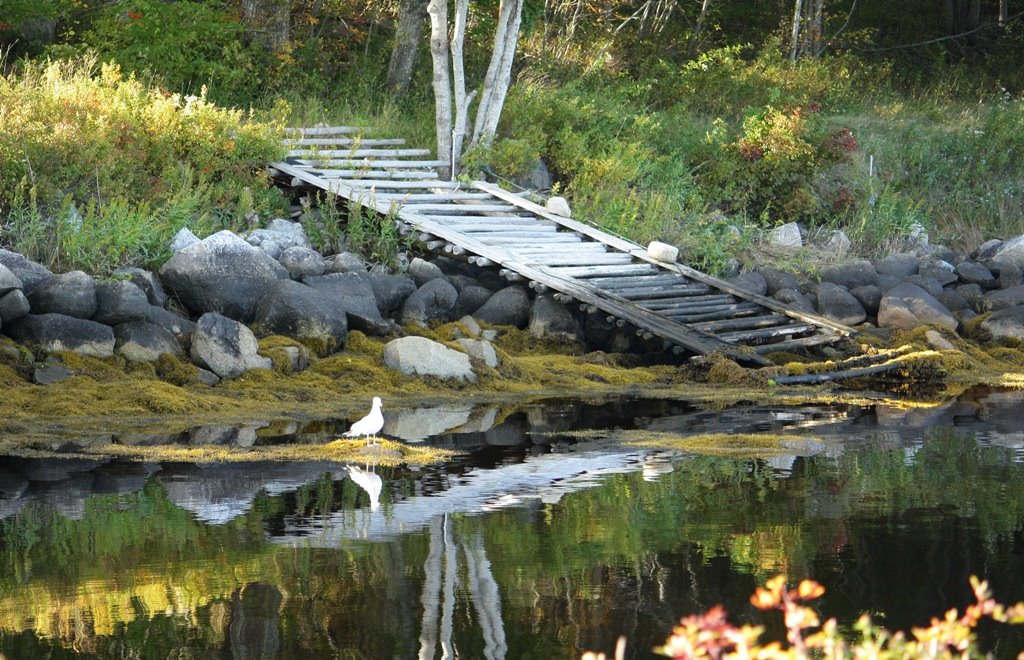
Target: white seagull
x=369, y=482
x=368, y=426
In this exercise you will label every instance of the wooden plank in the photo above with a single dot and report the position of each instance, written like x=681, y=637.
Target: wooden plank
x=455, y=221
x=795, y=344
x=568, y=259
x=734, y=308
x=367, y=163
x=580, y=246
x=641, y=253
x=421, y=197
x=654, y=279
x=598, y=271
x=540, y=233
x=328, y=130
x=429, y=209
x=688, y=302
x=747, y=323
x=490, y=239
x=655, y=293
x=734, y=312
x=367, y=184
x=356, y=152
x=366, y=142
x=761, y=335
x=399, y=177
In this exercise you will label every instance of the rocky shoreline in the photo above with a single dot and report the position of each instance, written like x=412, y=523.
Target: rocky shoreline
x=209, y=304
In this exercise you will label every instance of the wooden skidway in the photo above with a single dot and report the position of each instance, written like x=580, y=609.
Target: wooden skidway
x=577, y=263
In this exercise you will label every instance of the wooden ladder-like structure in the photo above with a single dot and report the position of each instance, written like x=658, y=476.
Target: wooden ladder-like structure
x=492, y=227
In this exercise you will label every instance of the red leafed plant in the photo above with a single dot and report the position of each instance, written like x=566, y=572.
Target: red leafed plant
x=710, y=635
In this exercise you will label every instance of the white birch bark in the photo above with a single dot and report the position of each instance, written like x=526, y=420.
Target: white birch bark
x=462, y=101
x=794, y=48
x=438, y=12
x=496, y=80
x=431, y=591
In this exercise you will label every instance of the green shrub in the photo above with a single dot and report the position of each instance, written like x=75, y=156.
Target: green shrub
x=105, y=152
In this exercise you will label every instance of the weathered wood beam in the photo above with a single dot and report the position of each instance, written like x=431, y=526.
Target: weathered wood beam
x=598, y=271
x=344, y=141
x=356, y=153
x=688, y=302
x=430, y=209
x=748, y=323
x=328, y=130
x=769, y=333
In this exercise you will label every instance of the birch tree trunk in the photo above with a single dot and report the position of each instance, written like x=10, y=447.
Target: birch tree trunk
x=698, y=29
x=794, y=42
x=462, y=101
x=499, y=71
x=268, y=22
x=438, y=12
x=411, y=16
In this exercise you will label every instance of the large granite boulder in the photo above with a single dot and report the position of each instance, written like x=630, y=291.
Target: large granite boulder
x=420, y=356
x=305, y=314
x=751, y=281
x=8, y=280
x=433, y=302
x=899, y=266
x=1010, y=253
x=13, y=305
x=838, y=304
x=353, y=293
x=510, y=306
x=178, y=326
x=119, y=302
x=471, y=298
x=907, y=306
x=1006, y=323
x=344, y=262
x=27, y=271
x=390, y=291
x=71, y=294
x=971, y=272
x=141, y=341
x=1004, y=298
x=222, y=274
x=550, y=318
x=777, y=280
x=59, y=332
x=225, y=347
x=422, y=271
x=858, y=272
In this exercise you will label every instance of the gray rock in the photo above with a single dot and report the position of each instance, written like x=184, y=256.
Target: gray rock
x=422, y=271
x=510, y=306
x=838, y=304
x=471, y=298
x=907, y=306
x=353, y=293
x=225, y=347
x=550, y=318
x=297, y=357
x=753, y=281
x=473, y=329
x=1006, y=323
x=223, y=274
x=953, y=300
x=938, y=342
x=776, y=280
x=50, y=372
x=987, y=249
x=899, y=265
x=71, y=294
x=420, y=356
x=1009, y=275
x=481, y=350
x=786, y=236
x=180, y=327
x=1010, y=253
x=795, y=299
x=434, y=301
x=120, y=302
x=837, y=245
x=1003, y=298
x=141, y=341
x=59, y=332
x=13, y=305
x=851, y=274
x=460, y=281
x=972, y=272
x=344, y=262
x=390, y=291
x=302, y=262
x=538, y=177
x=941, y=271
x=305, y=314
x=148, y=282
x=29, y=272
x=973, y=294
x=929, y=284
x=8, y=280
x=294, y=231
x=183, y=239
x=869, y=296
x=560, y=206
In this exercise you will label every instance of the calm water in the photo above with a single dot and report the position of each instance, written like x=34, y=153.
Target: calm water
x=532, y=544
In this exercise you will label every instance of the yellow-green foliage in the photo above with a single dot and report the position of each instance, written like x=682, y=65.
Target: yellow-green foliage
x=718, y=444
x=99, y=167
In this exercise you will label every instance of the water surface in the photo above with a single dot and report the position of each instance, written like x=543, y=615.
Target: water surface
x=534, y=543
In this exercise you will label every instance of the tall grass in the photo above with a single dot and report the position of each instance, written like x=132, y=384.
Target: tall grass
x=98, y=167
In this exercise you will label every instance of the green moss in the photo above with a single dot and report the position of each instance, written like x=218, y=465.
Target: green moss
x=175, y=371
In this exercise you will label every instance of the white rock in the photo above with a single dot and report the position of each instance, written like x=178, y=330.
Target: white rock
x=663, y=252
x=786, y=236
x=558, y=206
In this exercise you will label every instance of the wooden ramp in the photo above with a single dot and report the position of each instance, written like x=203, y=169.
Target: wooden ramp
x=577, y=263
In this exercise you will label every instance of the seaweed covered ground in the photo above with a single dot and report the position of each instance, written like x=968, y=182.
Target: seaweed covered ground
x=106, y=401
